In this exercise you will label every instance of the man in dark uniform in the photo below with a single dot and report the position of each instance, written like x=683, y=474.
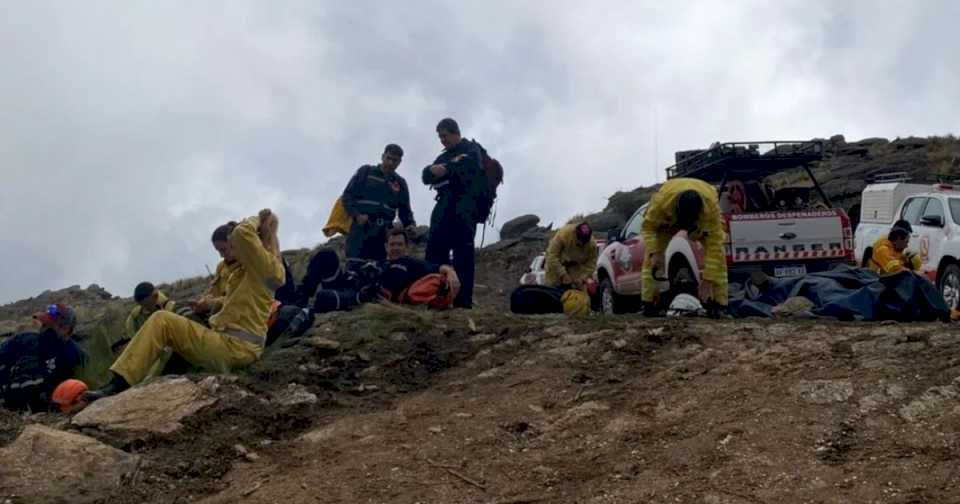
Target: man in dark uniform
x=453, y=223
x=32, y=364
x=373, y=198
x=401, y=270
x=342, y=290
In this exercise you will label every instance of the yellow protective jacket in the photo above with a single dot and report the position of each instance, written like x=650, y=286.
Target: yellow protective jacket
x=249, y=289
x=339, y=220
x=137, y=317
x=566, y=256
x=887, y=261
x=216, y=293
x=659, y=224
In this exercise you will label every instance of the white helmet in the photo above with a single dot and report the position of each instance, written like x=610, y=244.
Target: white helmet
x=685, y=305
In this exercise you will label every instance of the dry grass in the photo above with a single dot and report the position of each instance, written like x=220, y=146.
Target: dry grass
x=104, y=333
x=375, y=322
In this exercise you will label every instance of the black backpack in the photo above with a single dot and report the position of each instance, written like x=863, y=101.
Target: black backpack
x=485, y=187
x=536, y=300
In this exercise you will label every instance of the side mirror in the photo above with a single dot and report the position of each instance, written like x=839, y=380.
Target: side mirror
x=613, y=235
x=932, y=220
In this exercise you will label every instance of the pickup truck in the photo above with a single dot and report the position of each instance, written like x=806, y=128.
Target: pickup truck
x=783, y=232
x=933, y=212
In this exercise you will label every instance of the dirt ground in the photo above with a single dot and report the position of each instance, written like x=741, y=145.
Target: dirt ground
x=482, y=407
x=487, y=407
x=640, y=411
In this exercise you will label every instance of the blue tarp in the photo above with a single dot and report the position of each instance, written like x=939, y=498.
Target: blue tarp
x=848, y=293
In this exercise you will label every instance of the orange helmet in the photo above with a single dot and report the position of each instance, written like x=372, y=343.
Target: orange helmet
x=67, y=395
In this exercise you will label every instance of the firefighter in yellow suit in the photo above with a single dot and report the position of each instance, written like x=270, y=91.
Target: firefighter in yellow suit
x=570, y=261
x=889, y=254
x=690, y=205
x=571, y=256
x=237, y=331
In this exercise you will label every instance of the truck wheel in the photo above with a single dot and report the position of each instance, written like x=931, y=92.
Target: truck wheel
x=610, y=302
x=682, y=280
x=950, y=285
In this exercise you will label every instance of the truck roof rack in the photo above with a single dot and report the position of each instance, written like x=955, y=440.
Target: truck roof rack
x=880, y=178
x=745, y=159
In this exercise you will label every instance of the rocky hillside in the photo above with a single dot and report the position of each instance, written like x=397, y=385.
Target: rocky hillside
x=391, y=404
x=843, y=173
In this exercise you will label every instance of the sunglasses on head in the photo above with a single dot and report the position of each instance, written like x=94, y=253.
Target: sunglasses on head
x=54, y=311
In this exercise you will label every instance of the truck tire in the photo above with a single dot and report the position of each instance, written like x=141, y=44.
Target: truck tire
x=610, y=302
x=682, y=279
x=950, y=285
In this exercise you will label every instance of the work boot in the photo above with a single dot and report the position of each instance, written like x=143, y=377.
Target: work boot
x=299, y=324
x=117, y=384
x=717, y=311
x=651, y=310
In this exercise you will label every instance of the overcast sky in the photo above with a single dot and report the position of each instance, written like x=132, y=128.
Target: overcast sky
x=130, y=129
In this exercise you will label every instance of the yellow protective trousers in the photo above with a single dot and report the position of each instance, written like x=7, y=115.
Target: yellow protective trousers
x=648, y=287
x=197, y=344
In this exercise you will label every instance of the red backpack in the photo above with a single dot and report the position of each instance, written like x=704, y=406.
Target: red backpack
x=430, y=290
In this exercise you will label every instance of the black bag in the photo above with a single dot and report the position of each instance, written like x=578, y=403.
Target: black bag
x=536, y=299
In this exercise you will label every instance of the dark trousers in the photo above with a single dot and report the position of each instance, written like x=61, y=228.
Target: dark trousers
x=455, y=237
x=329, y=300
x=287, y=293
x=368, y=242
x=323, y=269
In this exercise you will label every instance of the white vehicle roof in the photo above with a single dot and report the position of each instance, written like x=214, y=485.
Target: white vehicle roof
x=880, y=202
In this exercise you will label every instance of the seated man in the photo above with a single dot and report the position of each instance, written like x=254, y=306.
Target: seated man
x=400, y=270
x=32, y=364
x=889, y=256
x=571, y=257
x=342, y=290
x=149, y=299
x=237, y=331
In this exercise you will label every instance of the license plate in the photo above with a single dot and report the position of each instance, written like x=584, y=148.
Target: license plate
x=789, y=271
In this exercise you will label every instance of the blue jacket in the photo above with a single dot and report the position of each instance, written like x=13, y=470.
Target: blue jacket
x=32, y=365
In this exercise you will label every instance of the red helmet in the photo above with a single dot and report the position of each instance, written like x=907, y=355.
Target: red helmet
x=67, y=395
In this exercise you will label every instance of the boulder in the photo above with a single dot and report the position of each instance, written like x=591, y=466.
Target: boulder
x=515, y=227
x=295, y=395
x=323, y=344
x=46, y=465
x=873, y=141
x=157, y=408
x=625, y=203
x=605, y=221
x=838, y=140
x=537, y=234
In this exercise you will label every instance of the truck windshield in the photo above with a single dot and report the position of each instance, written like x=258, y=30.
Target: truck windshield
x=955, y=209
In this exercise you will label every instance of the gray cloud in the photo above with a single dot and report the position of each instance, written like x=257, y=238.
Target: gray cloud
x=129, y=131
